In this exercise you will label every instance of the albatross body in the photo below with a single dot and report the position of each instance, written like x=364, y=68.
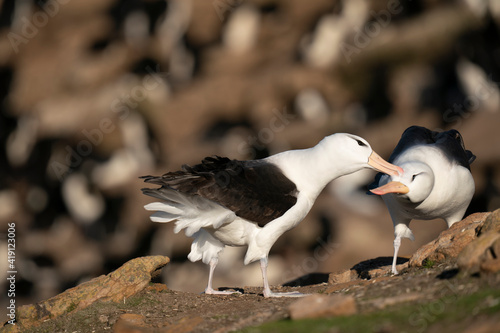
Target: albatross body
x=252, y=203
x=436, y=183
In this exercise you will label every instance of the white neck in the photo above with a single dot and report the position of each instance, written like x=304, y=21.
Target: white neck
x=311, y=169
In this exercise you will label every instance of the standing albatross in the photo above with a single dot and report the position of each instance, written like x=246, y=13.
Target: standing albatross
x=252, y=203
x=436, y=183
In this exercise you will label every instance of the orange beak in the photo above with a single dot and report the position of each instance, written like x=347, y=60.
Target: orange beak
x=378, y=163
x=392, y=187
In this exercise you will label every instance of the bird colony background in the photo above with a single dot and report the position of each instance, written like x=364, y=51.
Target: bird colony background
x=96, y=93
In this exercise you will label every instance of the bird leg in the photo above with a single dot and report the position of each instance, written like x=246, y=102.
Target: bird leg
x=209, y=290
x=267, y=291
x=397, y=243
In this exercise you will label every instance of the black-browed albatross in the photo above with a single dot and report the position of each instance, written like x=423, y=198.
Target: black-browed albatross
x=436, y=183
x=252, y=203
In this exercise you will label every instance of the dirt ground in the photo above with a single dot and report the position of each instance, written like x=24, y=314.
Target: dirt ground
x=430, y=292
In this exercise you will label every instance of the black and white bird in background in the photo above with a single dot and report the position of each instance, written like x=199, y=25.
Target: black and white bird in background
x=436, y=183
x=252, y=203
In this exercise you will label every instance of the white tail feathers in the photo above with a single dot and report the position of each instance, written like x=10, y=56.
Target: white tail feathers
x=190, y=212
x=164, y=212
x=204, y=247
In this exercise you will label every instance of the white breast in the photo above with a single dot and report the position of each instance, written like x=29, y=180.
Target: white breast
x=453, y=185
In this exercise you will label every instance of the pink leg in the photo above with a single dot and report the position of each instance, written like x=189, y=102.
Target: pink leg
x=267, y=290
x=209, y=290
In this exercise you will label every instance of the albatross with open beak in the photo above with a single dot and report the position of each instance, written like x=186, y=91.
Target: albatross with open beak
x=436, y=183
x=252, y=203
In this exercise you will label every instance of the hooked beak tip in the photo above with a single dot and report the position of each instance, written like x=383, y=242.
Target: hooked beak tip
x=381, y=165
x=391, y=187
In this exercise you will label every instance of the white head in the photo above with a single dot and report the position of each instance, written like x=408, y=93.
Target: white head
x=356, y=154
x=414, y=185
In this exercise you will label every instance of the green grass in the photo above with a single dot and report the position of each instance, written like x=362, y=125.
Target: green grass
x=218, y=317
x=71, y=307
x=428, y=263
x=408, y=318
x=81, y=321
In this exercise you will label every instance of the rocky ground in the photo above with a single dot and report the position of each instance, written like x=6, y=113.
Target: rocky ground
x=450, y=284
x=95, y=93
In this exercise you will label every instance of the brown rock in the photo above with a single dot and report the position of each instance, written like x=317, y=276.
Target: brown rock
x=317, y=306
x=490, y=266
x=131, y=323
x=481, y=254
x=365, y=270
x=382, y=303
x=157, y=287
x=451, y=241
x=136, y=323
x=382, y=271
x=8, y=328
x=492, y=223
x=380, y=266
x=343, y=277
x=126, y=281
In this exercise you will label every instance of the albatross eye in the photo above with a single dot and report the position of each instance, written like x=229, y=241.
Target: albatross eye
x=360, y=143
x=414, y=176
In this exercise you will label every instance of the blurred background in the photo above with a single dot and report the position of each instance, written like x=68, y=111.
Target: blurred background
x=96, y=93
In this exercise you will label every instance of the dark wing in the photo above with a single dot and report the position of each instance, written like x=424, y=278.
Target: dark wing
x=412, y=136
x=452, y=145
x=255, y=190
x=450, y=142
